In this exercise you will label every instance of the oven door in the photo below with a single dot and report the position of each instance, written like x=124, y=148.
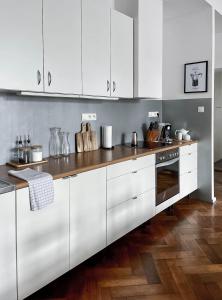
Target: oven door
x=167, y=180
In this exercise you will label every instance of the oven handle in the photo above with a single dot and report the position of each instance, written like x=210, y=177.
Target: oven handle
x=167, y=163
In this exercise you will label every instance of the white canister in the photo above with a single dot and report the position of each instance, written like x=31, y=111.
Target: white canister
x=187, y=137
x=179, y=135
x=37, y=155
x=107, y=137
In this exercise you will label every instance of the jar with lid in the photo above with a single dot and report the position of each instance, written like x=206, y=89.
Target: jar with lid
x=37, y=154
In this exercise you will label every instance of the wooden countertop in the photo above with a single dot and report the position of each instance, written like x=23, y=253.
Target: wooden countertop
x=81, y=162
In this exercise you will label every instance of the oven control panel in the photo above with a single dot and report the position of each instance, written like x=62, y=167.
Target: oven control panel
x=167, y=155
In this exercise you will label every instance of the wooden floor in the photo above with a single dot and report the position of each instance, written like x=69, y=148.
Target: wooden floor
x=174, y=257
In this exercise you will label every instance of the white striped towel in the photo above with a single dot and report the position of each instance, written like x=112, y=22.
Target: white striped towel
x=41, y=187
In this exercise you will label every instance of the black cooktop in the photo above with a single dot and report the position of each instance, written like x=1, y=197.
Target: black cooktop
x=148, y=145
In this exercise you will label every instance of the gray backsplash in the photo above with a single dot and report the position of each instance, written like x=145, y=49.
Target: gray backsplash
x=184, y=114
x=23, y=115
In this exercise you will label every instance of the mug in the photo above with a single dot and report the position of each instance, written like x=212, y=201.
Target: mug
x=187, y=137
x=179, y=135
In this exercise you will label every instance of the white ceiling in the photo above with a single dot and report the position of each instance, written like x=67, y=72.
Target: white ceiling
x=177, y=8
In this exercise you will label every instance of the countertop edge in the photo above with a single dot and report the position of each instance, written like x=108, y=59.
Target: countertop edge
x=20, y=184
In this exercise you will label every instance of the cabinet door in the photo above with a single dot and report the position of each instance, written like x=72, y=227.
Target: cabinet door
x=7, y=247
x=188, y=183
x=62, y=46
x=21, y=50
x=87, y=215
x=128, y=215
x=42, y=240
x=121, y=55
x=96, y=47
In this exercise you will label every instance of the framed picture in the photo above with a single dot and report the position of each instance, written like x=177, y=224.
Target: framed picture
x=196, y=77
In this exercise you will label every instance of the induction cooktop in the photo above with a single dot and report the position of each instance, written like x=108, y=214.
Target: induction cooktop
x=148, y=145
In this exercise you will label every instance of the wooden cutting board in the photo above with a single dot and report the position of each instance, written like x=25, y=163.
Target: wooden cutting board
x=86, y=139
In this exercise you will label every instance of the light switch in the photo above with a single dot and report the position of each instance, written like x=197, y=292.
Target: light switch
x=201, y=109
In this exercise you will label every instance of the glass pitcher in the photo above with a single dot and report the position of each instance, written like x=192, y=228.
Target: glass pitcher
x=65, y=146
x=54, y=142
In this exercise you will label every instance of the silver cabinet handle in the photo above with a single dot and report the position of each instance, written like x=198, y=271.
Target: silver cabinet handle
x=49, y=78
x=114, y=86
x=190, y=172
x=135, y=172
x=134, y=198
x=108, y=85
x=39, y=77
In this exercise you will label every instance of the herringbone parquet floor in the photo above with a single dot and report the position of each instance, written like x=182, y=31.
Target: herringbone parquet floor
x=177, y=256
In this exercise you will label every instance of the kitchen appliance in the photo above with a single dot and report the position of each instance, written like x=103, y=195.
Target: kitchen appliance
x=167, y=175
x=134, y=142
x=107, y=138
x=165, y=133
x=153, y=133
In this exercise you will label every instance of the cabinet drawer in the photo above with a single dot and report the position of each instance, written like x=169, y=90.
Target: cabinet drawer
x=188, y=183
x=130, y=185
x=188, y=162
x=129, y=166
x=130, y=214
x=188, y=149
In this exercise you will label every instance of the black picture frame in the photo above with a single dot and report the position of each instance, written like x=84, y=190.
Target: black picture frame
x=195, y=89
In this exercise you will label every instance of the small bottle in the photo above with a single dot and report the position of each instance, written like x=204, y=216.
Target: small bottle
x=20, y=150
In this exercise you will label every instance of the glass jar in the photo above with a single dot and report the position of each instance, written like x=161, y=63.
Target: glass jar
x=54, y=142
x=65, y=146
x=37, y=154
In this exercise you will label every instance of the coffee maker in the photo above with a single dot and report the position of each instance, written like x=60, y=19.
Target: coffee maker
x=165, y=133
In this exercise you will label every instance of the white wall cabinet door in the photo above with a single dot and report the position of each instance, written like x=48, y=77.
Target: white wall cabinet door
x=96, y=47
x=42, y=240
x=87, y=215
x=62, y=46
x=121, y=55
x=21, y=51
x=7, y=247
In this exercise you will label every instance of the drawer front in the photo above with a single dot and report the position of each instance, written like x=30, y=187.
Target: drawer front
x=129, y=166
x=188, y=183
x=188, y=162
x=128, y=215
x=130, y=185
x=188, y=149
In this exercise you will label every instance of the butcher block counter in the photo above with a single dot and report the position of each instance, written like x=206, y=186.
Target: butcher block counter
x=81, y=162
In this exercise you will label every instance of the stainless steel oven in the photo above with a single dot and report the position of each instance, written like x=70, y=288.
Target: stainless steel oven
x=167, y=175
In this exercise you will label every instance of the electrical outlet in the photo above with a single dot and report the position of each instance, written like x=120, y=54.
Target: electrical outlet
x=89, y=117
x=153, y=114
x=201, y=109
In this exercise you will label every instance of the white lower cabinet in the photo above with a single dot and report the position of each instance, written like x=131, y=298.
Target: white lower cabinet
x=188, y=170
x=130, y=185
x=87, y=215
x=42, y=240
x=8, y=290
x=128, y=215
x=188, y=183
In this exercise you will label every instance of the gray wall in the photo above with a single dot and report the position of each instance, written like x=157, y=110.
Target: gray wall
x=23, y=115
x=183, y=114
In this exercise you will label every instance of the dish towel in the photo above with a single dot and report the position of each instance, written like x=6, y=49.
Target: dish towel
x=41, y=187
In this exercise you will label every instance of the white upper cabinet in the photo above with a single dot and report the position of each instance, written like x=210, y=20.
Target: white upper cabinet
x=148, y=45
x=21, y=51
x=62, y=46
x=121, y=55
x=8, y=289
x=96, y=47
